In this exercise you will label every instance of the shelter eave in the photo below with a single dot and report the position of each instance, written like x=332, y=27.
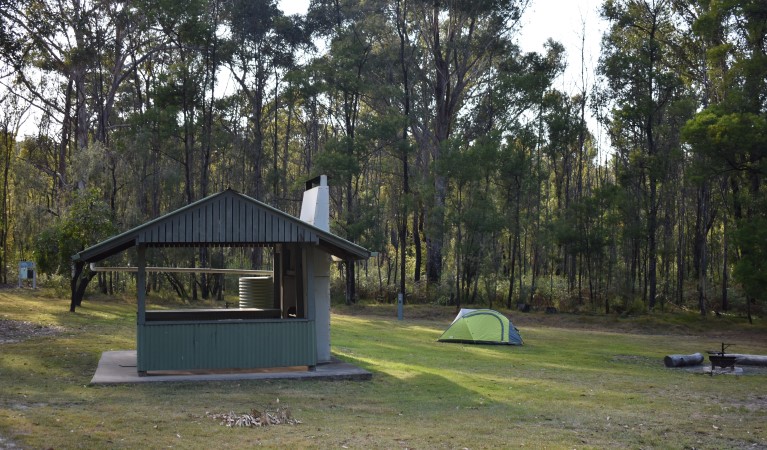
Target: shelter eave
x=105, y=249
x=226, y=219
x=129, y=238
x=343, y=249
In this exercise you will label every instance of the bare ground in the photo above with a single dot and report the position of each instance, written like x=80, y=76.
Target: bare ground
x=16, y=331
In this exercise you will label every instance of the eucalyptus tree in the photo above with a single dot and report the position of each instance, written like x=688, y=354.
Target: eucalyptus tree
x=177, y=108
x=72, y=58
x=692, y=53
x=729, y=135
x=641, y=87
x=406, y=57
x=261, y=47
x=52, y=45
x=513, y=97
x=85, y=222
x=564, y=125
x=12, y=116
x=474, y=211
x=393, y=64
x=458, y=41
x=353, y=30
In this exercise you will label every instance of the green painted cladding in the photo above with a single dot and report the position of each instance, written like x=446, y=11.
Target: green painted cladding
x=224, y=219
x=238, y=344
x=229, y=219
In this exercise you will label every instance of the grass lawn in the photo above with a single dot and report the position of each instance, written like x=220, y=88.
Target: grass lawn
x=578, y=382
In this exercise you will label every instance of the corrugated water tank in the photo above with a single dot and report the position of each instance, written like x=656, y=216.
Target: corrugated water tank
x=256, y=292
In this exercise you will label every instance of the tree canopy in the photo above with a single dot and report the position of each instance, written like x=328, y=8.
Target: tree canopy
x=458, y=157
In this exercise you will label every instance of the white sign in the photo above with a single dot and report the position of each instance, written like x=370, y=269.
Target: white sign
x=27, y=271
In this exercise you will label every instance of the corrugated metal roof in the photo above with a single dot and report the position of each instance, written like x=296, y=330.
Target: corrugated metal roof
x=226, y=219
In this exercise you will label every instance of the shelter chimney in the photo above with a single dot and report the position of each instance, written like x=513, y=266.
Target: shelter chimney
x=315, y=208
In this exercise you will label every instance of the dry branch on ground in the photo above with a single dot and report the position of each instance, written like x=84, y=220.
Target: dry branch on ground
x=256, y=418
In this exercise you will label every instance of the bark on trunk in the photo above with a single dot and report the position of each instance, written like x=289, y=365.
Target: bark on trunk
x=79, y=284
x=683, y=360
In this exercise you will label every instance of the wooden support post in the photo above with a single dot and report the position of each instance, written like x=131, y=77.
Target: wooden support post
x=297, y=253
x=141, y=285
x=307, y=282
x=277, y=278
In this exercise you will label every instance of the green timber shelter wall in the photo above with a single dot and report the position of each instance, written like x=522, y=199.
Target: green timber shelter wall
x=228, y=339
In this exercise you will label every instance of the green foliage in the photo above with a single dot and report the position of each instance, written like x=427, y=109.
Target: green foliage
x=632, y=307
x=157, y=104
x=728, y=141
x=87, y=221
x=340, y=160
x=751, y=268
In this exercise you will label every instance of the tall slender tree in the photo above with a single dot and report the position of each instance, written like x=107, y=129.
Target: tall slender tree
x=637, y=67
x=459, y=41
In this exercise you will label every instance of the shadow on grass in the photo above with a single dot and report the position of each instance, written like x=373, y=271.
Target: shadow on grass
x=556, y=390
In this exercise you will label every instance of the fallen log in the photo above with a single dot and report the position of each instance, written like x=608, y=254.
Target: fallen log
x=745, y=360
x=683, y=360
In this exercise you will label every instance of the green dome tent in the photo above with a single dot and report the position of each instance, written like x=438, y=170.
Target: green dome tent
x=481, y=326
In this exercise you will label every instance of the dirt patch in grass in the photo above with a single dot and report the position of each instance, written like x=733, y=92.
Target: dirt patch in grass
x=7, y=443
x=16, y=331
x=758, y=403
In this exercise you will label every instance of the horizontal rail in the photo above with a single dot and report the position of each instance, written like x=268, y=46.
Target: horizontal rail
x=95, y=268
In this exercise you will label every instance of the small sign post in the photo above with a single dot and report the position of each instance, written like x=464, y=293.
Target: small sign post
x=27, y=271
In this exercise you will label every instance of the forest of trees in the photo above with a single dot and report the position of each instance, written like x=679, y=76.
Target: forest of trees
x=450, y=151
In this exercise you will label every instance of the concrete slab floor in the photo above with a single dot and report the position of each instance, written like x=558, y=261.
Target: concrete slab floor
x=117, y=367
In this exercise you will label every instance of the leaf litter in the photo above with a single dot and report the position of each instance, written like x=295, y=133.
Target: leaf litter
x=269, y=416
x=13, y=331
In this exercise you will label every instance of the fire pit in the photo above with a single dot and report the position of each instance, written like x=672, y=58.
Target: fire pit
x=722, y=360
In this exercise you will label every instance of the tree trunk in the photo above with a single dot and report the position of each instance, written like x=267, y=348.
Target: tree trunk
x=512, y=263
x=435, y=236
x=683, y=360
x=652, y=225
x=748, y=360
x=417, y=230
x=725, y=271
x=351, y=291
x=401, y=10
x=680, y=253
x=9, y=140
x=78, y=284
x=66, y=129
x=204, y=278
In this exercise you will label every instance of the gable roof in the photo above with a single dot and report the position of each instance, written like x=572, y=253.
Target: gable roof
x=226, y=219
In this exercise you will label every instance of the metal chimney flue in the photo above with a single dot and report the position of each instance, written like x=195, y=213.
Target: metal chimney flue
x=315, y=208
